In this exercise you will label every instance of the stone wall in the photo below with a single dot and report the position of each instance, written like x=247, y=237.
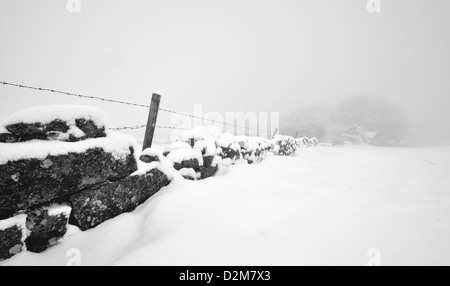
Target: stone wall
x=51, y=176
x=77, y=172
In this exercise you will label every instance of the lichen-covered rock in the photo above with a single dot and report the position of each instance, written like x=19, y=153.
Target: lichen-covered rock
x=90, y=129
x=231, y=153
x=190, y=174
x=57, y=122
x=285, y=145
x=7, y=138
x=56, y=130
x=10, y=242
x=207, y=172
x=29, y=182
x=12, y=232
x=149, y=158
x=92, y=207
x=46, y=225
x=187, y=157
x=191, y=163
x=150, y=155
x=246, y=154
x=208, y=160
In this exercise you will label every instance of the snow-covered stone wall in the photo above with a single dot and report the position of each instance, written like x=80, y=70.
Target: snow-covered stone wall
x=61, y=165
x=200, y=152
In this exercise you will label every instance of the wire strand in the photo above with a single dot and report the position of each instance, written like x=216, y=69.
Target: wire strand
x=74, y=94
x=133, y=104
x=144, y=126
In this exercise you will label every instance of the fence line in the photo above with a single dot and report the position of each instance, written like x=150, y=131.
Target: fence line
x=137, y=105
x=74, y=94
x=128, y=127
x=144, y=126
x=158, y=126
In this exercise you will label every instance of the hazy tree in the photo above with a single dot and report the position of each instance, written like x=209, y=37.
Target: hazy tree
x=374, y=114
x=369, y=113
x=349, y=120
x=309, y=122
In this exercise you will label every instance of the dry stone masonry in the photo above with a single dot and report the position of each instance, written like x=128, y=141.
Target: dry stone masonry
x=61, y=165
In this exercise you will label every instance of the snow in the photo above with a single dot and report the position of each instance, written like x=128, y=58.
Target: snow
x=68, y=113
x=179, y=155
x=227, y=162
x=176, y=145
x=369, y=134
x=3, y=130
x=153, y=152
x=263, y=142
x=164, y=165
x=235, y=146
x=115, y=143
x=64, y=136
x=241, y=139
x=217, y=160
x=20, y=222
x=189, y=172
x=56, y=210
x=225, y=140
x=251, y=145
x=206, y=145
x=325, y=206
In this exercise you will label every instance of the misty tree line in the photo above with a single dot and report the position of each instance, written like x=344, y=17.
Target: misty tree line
x=357, y=120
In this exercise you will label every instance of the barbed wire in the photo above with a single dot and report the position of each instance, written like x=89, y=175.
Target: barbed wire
x=163, y=127
x=74, y=94
x=128, y=127
x=133, y=104
x=171, y=127
x=144, y=126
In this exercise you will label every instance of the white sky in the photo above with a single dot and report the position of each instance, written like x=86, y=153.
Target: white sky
x=229, y=55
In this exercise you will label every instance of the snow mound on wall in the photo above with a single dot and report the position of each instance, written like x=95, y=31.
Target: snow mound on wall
x=207, y=146
x=153, y=152
x=190, y=173
x=18, y=221
x=251, y=145
x=217, y=160
x=3, y=129
x=56, y=210
x=180, y=155
x=164, y=164
x=115, y=143
x=225, y=140
x=241, y=139
x=47, y=113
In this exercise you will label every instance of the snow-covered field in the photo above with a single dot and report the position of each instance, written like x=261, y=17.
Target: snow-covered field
x=327, y=205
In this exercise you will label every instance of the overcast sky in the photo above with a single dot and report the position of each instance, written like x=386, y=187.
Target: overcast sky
x=229, y=55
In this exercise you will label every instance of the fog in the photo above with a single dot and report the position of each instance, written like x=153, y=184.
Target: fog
x=230, y=56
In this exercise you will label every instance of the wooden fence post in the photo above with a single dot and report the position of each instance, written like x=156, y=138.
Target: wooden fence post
x=275, y=132
x=151, y=122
